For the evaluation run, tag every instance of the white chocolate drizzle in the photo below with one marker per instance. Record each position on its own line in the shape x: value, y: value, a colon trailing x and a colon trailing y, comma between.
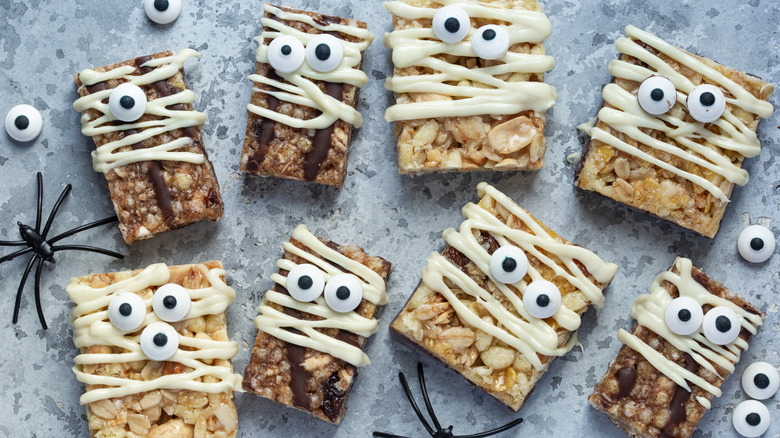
x: 515, y: 326
x: 299, y: 88
x: 106, y: 157
x: 331, y: 262
x: 649, y: 309
x: 488, y: 93
x: 694, y: 142
x: 91, y: 326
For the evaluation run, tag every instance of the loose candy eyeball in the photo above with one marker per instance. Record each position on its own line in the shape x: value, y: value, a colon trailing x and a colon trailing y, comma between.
x: 23, y: 123
x: 760, y: 380
x: 657, y: 95
x: 756, y: 243
x: 751, y: 418
x: 162, y: 11
x: 706, y: 103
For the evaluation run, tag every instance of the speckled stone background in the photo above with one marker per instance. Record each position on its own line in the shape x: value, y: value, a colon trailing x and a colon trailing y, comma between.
x: 43, y: 43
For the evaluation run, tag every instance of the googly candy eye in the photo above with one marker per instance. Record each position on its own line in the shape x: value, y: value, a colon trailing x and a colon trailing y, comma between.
x: 126, y: 311
x: 684, y: 316
x: 159, y: 341
x: 305, y: 283
x: 721, y: 325
x: 162, y: 11
x: 127, y: 102
x: 324, y: 53
x: 171, y: 302
x: 343, y: 293
x: 490, y: 42
x: 751, y: 418
x: 542, y: 299
x: 508, y: 264
x: 657, y: 95
x: 286, y: 54
x: 23, y: 123
x: 756, y: 243
x: 451, y: 24
x: 760, y: 380
x: 706, y: 103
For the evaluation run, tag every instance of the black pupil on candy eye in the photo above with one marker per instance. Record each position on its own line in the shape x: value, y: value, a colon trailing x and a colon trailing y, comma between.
x: 160, y: 339
x: 169, y: 302
x: 509, y: 264
x: 322, y: 52
x: 127, y: 102
x: 707, y: 99
x: 489, y: 35
x: 286, y: 50
x: 125, y: 309
x: 342, y: 293
x: 161, y: 5
x: 22, y: 122
x: 452, y: 25
x: 761, y: 381
x: 684, y: 315
x: 305, y: 282
x: 723, y: 324
x: 543, y: 300
x: 757, y: 244
x: 657, y: 94
x: 753, y: 419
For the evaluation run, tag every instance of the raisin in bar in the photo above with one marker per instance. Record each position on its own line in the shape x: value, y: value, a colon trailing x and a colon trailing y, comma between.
x: 155, y: 354
x: 151, y: 151
x: 503, y: 299
x: 673, y: 165
x: 313, y: 325
x: 306, y: 83
x: 689, y: 335
x: 473, y: 103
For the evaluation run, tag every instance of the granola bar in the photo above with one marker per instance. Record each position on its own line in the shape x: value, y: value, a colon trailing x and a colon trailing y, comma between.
x: 677, y: 163
x: 314, y: 324
x: 662, y: 381
x: 503, y: 299
x: 302, y: 111
x: 187, y: 390
x: 473, y: 103
x: 151, y: 153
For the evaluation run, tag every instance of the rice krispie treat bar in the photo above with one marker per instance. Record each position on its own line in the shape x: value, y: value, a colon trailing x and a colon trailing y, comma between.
x: 314, y: 324
x: 155, y: 354
x: 469, y: 84
x: 306, y: 85
x: 503, y: 299
x: 689, y: 333
x: 672, y: 133
x: 148, y: 144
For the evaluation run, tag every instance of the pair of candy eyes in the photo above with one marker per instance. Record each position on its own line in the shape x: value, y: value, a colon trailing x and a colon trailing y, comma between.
x: 324, y: 53
x: 541, y: 298
x: 657, y: 95
x: 451, y: 24
x: 720, y: 325
x: 343, y: 292
x: 759, y: 381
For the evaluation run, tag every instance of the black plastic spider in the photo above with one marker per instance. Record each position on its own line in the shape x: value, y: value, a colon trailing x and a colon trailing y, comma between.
x: 439, y: 432
x: 43, y: 250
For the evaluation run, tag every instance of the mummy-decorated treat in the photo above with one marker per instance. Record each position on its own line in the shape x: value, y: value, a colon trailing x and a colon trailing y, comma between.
x: 751, y: 418
x: 756, y: 243
x: 162, y: 11
x: 503, y: 299
x: 155, y: 354
x: 23, y: 123
x: 148, y: 144
x: 469, y: 84
x: 688, y: 337
x: 760, y: 380
x: 313, y: 325
x: 306, y: 83
x: 672, y: 133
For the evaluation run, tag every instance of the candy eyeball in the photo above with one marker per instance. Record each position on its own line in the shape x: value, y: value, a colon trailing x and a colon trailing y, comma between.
x: 324, y: 53
x: 451, y: 24
x: 127, y: 311
x: 542, y: 299
x: 159, y: 341
x: 23, y: 123
x: 171, y: 302
x: 751, y: 418
x: 721, y: 325
x: 508, y: 264
x: 305, y: 283
x: 343, y: 293
x: 756, y: 243
x: 490, y: 42
x: 706, y: 103
x: 760, y: 380
x: 657, y: 95
x: 162, y: 11
x: 684, y: 316
x: 286, y: 54
x: 127, y: 102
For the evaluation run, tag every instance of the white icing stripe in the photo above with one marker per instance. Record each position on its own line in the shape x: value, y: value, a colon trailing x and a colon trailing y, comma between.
x: 331, y: 263
x: 649, y: 310
x: 493, y: 95
x: 91, y: 327
x: 300, y: 89
x: 515, y: 326
x: 105, y: 157
x: 628, y: 117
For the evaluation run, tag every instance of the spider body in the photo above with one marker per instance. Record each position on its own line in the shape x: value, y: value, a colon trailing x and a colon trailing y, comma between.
x: 35, y: 241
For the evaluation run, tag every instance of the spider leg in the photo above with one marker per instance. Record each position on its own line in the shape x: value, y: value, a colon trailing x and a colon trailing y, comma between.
x: 39, y: 210
x: 34, y: 259
x: 14, y: 255
x: 12, y: 243
x: 87, y: 248
x: 497, y: 430
x: 38, y: 271
x: 107, y: 220
x: 421, y: 377
x: 387, y: 435
x: 408, y: 392
x: 54, y: 210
